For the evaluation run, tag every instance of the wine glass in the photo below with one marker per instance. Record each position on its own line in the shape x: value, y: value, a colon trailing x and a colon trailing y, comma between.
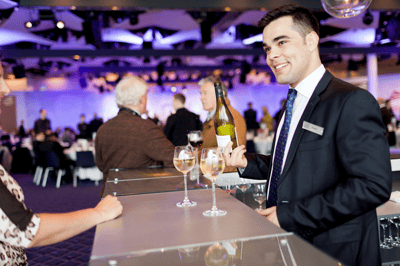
x: 195, y: 140
x: 259, y: 194
x: 212, y: 164
x: 384, y: 223
x: 396, y: 221
x: 184, y: 162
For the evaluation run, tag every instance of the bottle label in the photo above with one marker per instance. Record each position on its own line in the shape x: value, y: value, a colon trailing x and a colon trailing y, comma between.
x: 223, y: 141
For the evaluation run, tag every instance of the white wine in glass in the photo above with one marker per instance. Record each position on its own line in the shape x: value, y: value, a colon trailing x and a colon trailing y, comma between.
x: 260, y: 194
x: 184, y: 161
x: 212, y: 164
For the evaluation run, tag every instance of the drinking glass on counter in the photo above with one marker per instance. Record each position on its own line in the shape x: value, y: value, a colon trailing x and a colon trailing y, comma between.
x: 184, y: 161
x: 259, y: 194
x: 212, y: 164
x: 195, y: 140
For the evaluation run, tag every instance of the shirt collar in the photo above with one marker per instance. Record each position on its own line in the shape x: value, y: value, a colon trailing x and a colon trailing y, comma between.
x: 307, y: 86
x: 211, y: 114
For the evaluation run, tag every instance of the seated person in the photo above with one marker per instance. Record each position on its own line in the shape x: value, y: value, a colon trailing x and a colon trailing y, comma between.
x: 127, y: 140
x: 51, y: 144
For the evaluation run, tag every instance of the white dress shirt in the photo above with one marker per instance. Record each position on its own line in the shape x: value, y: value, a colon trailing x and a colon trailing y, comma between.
x: 304, y: 89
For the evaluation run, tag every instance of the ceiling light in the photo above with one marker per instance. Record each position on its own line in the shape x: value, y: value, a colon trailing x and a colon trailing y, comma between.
x: 60, y: 24
x: 31, y: 24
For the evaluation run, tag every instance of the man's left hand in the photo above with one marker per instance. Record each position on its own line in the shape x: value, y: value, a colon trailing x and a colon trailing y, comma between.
x: 270, y: 214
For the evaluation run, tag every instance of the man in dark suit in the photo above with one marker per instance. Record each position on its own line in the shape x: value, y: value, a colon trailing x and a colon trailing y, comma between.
x: 330, y: 167
x: 95, y: 123
x: 84, y: 129
x: 179, y: 124
x: 127, y: 140
x: 42, y: 124
x: 250, y: 115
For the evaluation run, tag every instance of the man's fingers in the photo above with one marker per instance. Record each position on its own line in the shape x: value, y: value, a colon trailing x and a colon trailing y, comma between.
x: 227, y: 150
x: 265, y: 212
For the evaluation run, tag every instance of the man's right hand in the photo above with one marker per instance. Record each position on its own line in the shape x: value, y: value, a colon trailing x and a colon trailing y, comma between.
x: 236, y: 158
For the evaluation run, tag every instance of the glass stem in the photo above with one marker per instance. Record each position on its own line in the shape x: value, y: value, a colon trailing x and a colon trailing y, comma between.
x: 214, y: 207
x: 185, y: 182
x: 260, y: 206
x: 384, y: 235
x: 196, y: 153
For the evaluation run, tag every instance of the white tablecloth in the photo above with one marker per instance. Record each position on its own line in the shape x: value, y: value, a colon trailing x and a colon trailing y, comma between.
x: 92, y: 173
x: 263, y: 145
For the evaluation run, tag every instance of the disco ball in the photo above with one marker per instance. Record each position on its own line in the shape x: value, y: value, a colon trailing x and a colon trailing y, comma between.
x: 345, y: 8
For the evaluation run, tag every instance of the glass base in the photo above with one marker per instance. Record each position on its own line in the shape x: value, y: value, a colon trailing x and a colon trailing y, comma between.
x: 211, y: 213
x: 186, y: 203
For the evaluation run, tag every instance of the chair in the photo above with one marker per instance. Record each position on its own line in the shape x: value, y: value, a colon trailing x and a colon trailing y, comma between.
x: 40, y: 162
x: 52, y: 164
x: 84, y: 159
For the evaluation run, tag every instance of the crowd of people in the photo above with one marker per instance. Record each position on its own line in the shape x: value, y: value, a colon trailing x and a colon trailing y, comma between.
x: 329, y: 168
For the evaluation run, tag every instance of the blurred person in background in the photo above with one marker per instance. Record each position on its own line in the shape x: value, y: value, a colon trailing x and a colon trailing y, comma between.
x: 84, y: 129
x: 42, y: 124
x: 389, y: 120
x: 250, y: 115
x: 128, y: 140
x: 209, y: 101
x: 21, y: 228
x: 182, y: 122
x: 95, y: 123
x: 267, y: 119
x: 51, y: 143
x: 21, y: 130
x: 68, y: 136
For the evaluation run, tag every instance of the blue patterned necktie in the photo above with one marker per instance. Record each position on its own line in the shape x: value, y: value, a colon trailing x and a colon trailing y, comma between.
x: 280, y: 150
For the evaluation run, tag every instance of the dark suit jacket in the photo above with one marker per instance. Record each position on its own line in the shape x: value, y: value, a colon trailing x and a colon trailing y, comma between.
x: 250, y: 116
x: 331, y: 184
x: 179, y: 124
x: 42, y: 125
x: 128, y: 141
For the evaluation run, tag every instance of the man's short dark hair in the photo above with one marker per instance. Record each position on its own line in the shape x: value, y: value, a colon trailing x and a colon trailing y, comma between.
x: 180, y: 97
x: 304, y: 21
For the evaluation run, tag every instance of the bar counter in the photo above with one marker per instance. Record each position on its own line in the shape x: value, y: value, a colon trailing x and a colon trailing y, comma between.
x: 154, y: 231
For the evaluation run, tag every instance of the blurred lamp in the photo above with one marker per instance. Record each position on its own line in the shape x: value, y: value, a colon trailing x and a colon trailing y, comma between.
x: 345, y: 8
x: 60, y: 24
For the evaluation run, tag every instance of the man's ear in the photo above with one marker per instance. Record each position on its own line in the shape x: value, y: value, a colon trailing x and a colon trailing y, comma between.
x: 312, y: 40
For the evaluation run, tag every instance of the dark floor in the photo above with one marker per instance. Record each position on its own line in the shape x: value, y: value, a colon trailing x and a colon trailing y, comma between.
x: 77, y: 250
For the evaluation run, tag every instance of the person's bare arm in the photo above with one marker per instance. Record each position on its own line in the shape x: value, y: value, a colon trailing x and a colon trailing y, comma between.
x: 54, y: 228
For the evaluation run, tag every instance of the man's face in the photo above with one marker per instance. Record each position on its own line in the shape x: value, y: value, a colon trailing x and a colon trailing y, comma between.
x: 43, y: 114
x: 82, y: 118
x: 287, y: 52
x: 207, y: 97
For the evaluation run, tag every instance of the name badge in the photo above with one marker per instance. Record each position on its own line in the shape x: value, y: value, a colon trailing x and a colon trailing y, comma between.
x: 313, y: 128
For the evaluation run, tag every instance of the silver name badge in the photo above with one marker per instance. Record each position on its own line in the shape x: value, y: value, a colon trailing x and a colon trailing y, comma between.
x: 313, y: 128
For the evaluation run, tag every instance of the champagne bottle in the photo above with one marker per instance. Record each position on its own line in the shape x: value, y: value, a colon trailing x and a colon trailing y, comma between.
x: 223, y: 120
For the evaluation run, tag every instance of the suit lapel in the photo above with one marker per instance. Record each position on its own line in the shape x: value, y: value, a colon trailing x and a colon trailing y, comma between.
x: 323, y: 83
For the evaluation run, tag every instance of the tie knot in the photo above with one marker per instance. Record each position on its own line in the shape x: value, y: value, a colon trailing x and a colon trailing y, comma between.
x: 291, y: 93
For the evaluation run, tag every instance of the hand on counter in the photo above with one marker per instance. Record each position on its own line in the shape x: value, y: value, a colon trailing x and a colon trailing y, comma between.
x: 270, y: 214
